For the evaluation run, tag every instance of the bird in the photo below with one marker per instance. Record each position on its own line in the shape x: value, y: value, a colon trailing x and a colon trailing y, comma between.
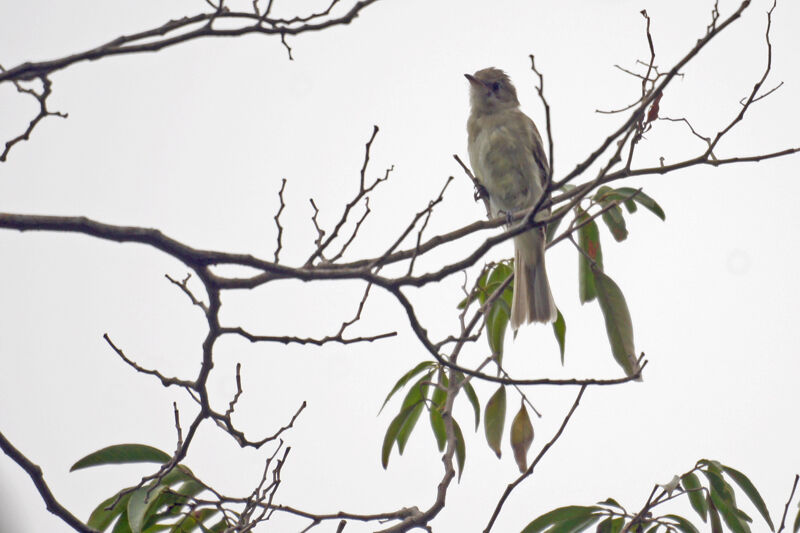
x: 508, y: 159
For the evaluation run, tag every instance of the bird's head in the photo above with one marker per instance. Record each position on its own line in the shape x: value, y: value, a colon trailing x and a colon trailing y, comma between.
x: 491, y: 90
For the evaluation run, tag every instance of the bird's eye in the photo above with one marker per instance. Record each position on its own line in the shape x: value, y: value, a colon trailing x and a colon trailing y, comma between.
x: 496, y: 86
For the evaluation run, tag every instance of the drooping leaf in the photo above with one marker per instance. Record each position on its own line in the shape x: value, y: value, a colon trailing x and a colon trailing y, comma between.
x: 439, y: 430
x: 461, y: 448
x: 713, y: 516
x: 744, y: 516
x: 496, y: 325
x: 750, y: 490
x: 630, y: 205
x: 618, y: 322
x: 121, y: 454
x: 122, y: 525
x: 644, y: 200
x: 438, y: 399
x: 724, y: 502
x: 718, y: 483
x: 100, y: 518
x: 589, y: 241
x: 560, y: 515
x: 604, y: 526
x: 494, y: 418
x: 653, y: 529
x: 693, y: 488
x: 521, y: 437
x: 498, y: 275
x: 796, y: 526
x: 560, y: 331
x: 405, y: 378
x: 472, y: 396
x: 615, y: 222
x: 681, y: 524
x: 142, y: 504
x: 415, y: 399
x: 616, y: 525
x: 391, y: 434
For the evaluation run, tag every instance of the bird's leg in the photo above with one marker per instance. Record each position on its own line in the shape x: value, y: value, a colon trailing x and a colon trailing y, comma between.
x: 508, y: 214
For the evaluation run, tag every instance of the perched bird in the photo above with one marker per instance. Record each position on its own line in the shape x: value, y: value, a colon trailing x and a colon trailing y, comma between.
x: 508, y: 159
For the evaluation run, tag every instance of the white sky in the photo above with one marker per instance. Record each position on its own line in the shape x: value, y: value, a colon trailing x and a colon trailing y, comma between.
x: 195, y: 140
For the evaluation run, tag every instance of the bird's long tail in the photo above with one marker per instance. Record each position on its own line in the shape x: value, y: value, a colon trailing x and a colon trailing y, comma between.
x: 533, y: 301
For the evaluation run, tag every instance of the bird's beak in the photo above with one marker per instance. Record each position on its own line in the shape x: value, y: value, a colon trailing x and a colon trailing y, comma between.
x: 473, y: 80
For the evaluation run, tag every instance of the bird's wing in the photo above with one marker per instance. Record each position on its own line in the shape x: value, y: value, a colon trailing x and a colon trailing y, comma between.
x: 537, y: 147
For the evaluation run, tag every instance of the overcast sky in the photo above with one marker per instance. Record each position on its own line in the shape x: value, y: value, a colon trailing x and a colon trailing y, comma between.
x: 195, y: 140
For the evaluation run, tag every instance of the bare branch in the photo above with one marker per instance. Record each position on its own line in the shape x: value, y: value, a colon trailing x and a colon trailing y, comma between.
x: 34, y: 471
x: 277, y: 219
x: 41, y: 98
x: 169, y: 34
x: 163, y: 379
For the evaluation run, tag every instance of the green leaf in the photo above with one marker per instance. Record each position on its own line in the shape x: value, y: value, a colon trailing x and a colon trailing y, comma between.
x: 723, y: 498
x: 191, y: 488
x: 141, y: 505
x: 391, y: 434
x: 644, y: 200
x: 100, y: 519
x: 496, y: 325
x: 405, y: 379
x: 615, y: 222
x: 439, y: 429
x: 560, y: 331
x: 617, y: 525
x: 193, y: 520
x: 437, y: 403
x: 499, y: 274
x: 796, y: 526
x: 681, y: 524
x: 415, y: 399
x: 122, y: 453
x: 713, y: 517
x: 575, y: 525
x: 473, y: 399
x: 719, y: 485
x: 220, y: 526
x: 122, y: 525
x: 691, y: 484
x: 461, y: 448
x: 494, y: 418
x: 618, y: 322
x: 604, y: 526
x: 158, y: 527
x: 653, y: 529
x: 178, y: 474
x: 560, y: 515
x: 611, y: 502
x: 521, y: 437
x: 630, y: 205
x: 589, y: 241
x: 750, y: 490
